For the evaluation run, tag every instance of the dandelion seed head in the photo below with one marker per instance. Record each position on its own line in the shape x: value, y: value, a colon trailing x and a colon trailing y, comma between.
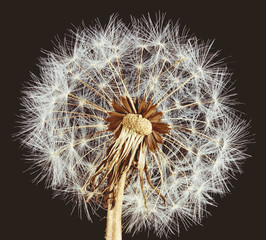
x: 144, y: 99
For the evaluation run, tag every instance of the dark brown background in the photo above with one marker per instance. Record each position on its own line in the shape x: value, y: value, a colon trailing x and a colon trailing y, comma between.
x: 29, y: 212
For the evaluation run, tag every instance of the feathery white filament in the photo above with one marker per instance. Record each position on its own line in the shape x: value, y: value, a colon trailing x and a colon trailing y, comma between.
x: 65, y: 110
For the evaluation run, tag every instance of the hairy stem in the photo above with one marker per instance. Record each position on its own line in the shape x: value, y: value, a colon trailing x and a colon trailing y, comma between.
x: 114, y: 223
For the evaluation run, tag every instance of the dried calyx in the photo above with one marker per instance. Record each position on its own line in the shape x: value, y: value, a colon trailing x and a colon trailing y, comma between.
x: 122, y: 116
x: 137, y: 128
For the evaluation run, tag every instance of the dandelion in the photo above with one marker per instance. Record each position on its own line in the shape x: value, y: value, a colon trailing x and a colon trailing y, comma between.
x: 137, y: 120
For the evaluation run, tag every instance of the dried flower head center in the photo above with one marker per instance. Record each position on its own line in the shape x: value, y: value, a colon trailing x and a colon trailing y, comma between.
x: 138, y: 124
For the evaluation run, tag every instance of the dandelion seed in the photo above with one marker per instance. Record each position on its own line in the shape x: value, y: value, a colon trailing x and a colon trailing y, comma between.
x: 140, y: 124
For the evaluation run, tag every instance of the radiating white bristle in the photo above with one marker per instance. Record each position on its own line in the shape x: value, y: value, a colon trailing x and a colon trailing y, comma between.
x: 67, y: 105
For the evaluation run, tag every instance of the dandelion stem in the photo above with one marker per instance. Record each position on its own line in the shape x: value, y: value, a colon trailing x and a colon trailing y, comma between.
x: 114, y: 224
